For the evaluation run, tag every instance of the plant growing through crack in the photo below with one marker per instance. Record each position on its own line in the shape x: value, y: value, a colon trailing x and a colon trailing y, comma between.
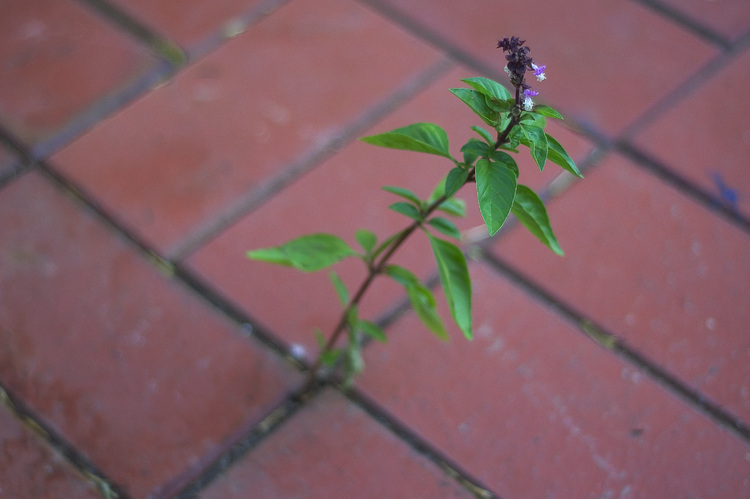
x: 514, y: 121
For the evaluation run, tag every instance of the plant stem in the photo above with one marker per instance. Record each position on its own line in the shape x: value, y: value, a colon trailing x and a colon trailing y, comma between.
x: 377, y: 267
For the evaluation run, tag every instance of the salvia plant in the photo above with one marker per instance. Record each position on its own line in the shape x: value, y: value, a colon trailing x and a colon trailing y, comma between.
x: 513, y: 121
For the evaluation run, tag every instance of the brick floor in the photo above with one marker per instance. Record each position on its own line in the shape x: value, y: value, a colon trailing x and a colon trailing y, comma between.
x: 148, y: 353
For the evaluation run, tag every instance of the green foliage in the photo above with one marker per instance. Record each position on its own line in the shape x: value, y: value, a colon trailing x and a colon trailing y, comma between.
x: 486, y: 163
x: 307, y: 253
x: 420, y: 137
x: 454, y: 274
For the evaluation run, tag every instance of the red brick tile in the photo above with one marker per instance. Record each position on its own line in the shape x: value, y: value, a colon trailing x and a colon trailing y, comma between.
x: 58, y: 60
x: 192, y: 149
x: 341, y: 196
x: 333, y: 449
x: 29, y: 468
x: 657, y: 270
x: 187, y: 22
x: 717, y: 140
x: 729, y: 17
x: 594, y: 51
x: 532, y: 408
x: 129, y: 367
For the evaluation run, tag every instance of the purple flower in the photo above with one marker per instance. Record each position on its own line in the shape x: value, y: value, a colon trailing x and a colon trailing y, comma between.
x: 528, y: 103
x: 539, y: 72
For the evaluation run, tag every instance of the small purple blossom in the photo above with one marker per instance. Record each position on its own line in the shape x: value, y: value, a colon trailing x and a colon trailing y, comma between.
x: 539, y: 72
x: 528, y: 103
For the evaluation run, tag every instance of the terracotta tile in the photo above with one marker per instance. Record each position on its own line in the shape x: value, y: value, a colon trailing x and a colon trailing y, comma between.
x: 340, y: 196
x: 29, y: 468
x: 187, y: 22
x: 711, y: 150
x: 333, y: 449
x: 125, y: 364
x: 533, y: 408
x: 191, y: 150
x: 729, y: 17
x: 58, y: 60
x: 657, y: 270
x: 594, y: 50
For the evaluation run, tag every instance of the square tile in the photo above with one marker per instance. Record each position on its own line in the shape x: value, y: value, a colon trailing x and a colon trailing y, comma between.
x: 706, y: 137
x: 657, y: 270
x: 127, y: 365
x: 30, y: 468
x: 533, y: 408
x: 58, y: 61
x: 190, y: 151
x: 331, y: 448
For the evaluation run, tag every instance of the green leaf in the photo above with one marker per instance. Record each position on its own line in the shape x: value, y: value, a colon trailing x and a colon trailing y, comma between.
x: 548, y: 111
x: 557, y: 155
x: 341, y: 290
x: 496, y: 188
x: 453, y: 206
x: 316, y: 251
x: 487, y: 136
x: 454, y: 274
x: 330, y: 357
x: 421, y: 298
x: 488, y: 87
x: 536, y: 140
x: 404, y: 193
x: 455, y: 180
x: 406, y: 209
x: 502, y: 106
x: 271, y: 255
x: 474, y: 149
x: 419, y: 137
x: 372, y: 330
x: 445, y: 226
x: 530, y: 211
x: 367, y: 239
x: 476, y: 101
x: 423, y: 303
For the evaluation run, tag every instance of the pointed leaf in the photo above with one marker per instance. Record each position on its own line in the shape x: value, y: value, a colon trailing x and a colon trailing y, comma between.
x: 487, y: 136
x: 455, y: 180
x: 420, y: 137
x: 367, y: 239
x: 476, y: 101
x: 454, y: 274
x: 474, y: 149
x: 557, y: 155
x: 453, y: 206
x: 341, y: 290
x: 530, y: 211
x: 423, y: 303
x: 496, y: 188
x: 445, y: 226
x: 536, y: 140
x: 406, y: 209
x: 548, y: 111
x: 372, y: 330
x: 315, y: 251
x: 404, y: 193
x: 270, y: 255
x: 488, y: 87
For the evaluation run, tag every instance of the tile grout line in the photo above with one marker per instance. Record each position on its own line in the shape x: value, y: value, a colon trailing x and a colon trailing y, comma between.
x: 683, y: 186
x: 308, y: 160
x: 418, y: 444
x: 107, y: 487
x: 619, y: 347
x: 685, y: 21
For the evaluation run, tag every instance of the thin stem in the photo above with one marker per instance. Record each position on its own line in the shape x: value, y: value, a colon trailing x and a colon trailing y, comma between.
x: 375, y: 268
